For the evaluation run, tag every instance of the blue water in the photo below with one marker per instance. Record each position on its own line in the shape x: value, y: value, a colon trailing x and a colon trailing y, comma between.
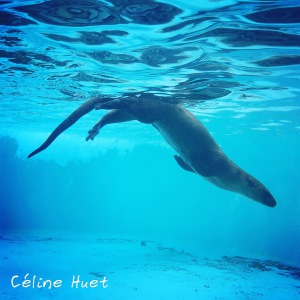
x: 233, y: 64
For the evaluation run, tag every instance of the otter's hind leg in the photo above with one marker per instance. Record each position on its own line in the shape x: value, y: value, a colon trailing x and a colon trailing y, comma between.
x: 113, y: 116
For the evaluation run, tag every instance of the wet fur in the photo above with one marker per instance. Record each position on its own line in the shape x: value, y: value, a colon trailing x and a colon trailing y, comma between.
x: 198, y: 151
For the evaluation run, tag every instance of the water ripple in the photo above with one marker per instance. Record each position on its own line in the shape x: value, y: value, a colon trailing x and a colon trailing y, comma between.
x: 281, y: 15
x: 221, y: 51
x: 91, y: 12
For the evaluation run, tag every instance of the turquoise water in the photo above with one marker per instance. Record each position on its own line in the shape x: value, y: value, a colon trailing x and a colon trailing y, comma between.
x: 233, y: 64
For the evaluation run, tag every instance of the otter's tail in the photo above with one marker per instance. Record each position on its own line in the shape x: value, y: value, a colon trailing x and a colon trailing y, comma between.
x: 69, y: 121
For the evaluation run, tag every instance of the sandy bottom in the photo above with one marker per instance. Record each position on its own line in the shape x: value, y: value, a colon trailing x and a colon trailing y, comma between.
x: 131, y: 269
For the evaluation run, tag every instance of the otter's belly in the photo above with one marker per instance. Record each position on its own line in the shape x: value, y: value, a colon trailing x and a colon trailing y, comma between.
x: 177, y: 140
x: 194, y: 146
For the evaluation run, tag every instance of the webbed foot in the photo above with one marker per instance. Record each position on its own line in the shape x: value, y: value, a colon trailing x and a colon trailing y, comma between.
x: 94, y: 131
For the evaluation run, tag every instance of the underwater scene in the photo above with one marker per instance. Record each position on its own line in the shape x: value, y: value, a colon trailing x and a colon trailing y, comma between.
x: 149, y: 149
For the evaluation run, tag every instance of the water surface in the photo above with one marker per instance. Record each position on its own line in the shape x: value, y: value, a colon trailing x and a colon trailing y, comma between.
x: 234, y: 64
